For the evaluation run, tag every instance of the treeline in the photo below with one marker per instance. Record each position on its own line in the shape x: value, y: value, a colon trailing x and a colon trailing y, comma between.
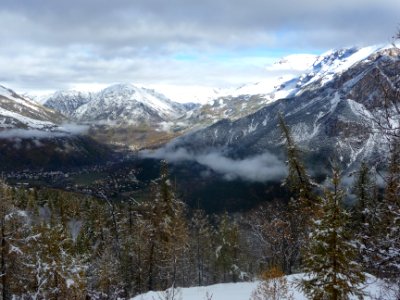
x: 58, y: 245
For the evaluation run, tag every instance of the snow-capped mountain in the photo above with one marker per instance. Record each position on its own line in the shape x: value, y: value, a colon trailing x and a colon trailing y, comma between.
x: 67, y: 102
x: 18, y: 112
x: 126, y: 103
x: 330, y: 110
x: 119, y: 104
x: 295, y: 74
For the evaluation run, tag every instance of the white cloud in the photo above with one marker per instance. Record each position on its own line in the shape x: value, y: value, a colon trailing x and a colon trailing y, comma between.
x: 257, y: 168
x: 62, y: 131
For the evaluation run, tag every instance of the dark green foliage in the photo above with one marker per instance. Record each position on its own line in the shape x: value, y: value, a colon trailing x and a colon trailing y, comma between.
x: 385, y: 247
x: 330, y: 256
x: 297, y: 181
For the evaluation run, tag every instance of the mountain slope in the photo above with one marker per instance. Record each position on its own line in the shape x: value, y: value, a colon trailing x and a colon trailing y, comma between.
x: 330, y: 115
x: 35, y: 137
x: 123, y: 114
x: 117, y: 104
x: 300, y: 71
x: 67, y: 102
x: 18, y: 112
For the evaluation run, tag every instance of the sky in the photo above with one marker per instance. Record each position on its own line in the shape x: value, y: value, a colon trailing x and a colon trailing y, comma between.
x: 181, y: 47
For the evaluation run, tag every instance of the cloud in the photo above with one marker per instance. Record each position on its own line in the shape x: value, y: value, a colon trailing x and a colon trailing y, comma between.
x: 74, y: 129
x: 57, y: 44
x: 258, y: 168
x: 62, y: 131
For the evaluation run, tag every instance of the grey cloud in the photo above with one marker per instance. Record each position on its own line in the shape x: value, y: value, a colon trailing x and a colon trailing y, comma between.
x: 50, y: 44
x: 149, y: 23
x: 258, y: 168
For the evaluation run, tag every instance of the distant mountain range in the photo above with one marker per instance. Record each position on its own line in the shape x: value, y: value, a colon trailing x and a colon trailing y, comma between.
x: 327, y: 100
x: 116, y: 105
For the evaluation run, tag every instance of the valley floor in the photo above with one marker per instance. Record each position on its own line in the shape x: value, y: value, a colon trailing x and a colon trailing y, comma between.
x: 374, y: 288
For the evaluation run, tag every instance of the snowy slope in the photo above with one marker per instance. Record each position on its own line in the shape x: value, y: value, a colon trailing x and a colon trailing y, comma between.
x: 242, y: 291
x: 287, y: 69
x: 18, y: 112
x: 67, y: 102
x: 117, y: 104
x: 296, y: 74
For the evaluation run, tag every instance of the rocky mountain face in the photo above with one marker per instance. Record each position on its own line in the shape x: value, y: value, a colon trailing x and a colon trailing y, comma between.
x: 120, y: 104
x: 299, y: 72
x: 330, y: 110
x: 67, y: 102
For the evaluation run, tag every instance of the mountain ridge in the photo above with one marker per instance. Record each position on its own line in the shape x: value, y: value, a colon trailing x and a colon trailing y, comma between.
x: 330, y: 116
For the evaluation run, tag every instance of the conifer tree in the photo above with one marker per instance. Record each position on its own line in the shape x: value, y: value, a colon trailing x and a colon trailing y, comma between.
x: 14, y: 236
x: 303, y: 205
x: 58, y: 273
x: 201, y: 246
x: 167, y: 234
x: 387, y: 245
x: 365, y: 191
x: 330, y: 256
x: 365, y: 216
x: 298, y: 181
x: 228, y: 248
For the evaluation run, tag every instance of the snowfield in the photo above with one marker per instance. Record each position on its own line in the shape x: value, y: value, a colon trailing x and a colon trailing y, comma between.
x: 374, y: 289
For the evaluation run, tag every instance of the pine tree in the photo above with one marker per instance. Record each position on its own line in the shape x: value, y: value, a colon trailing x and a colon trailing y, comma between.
x: 303, y: 205
x: 58, y: 273
x: 329, y: 258
x: 163, y: 214
x: 228, y: 248
x: 14, y: 237
x: 298, y: 181
x: 387, y: 245
x: 365, y: 216
x: 201, y: 247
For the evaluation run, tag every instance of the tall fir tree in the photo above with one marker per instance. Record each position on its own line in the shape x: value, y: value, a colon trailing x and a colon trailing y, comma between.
x: 228, y: 248
x: 332, y: 271
x: 201, y: 247
x: 297, y: 181
x: 365, y: 216
x: 167, y: 231
x: 303, y: 205
x: 387, y: 247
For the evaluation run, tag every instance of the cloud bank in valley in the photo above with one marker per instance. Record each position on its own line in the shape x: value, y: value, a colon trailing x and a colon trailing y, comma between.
x: 259, y: 168
x: 67, y: 129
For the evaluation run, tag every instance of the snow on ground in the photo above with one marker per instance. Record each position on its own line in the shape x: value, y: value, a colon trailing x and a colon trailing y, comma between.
x: 374, y: 289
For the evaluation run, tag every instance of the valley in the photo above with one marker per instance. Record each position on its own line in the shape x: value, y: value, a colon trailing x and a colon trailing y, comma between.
x: 126, y: 184
x: 230, y: 151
